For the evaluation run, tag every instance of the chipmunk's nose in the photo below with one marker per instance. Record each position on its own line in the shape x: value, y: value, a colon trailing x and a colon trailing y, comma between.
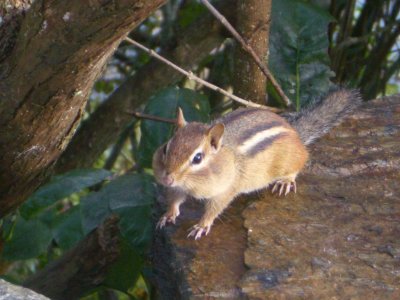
x: 168, y: 180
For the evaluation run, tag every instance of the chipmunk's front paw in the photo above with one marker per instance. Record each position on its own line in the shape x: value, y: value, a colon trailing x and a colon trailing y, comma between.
x: 197, y: 231
x: 283, y: 187
x: 165, y: 219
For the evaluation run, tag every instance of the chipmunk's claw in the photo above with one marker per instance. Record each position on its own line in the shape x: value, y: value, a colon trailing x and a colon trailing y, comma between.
x: 197, y: 231
x: 165, y: 220
x: 283, y: 187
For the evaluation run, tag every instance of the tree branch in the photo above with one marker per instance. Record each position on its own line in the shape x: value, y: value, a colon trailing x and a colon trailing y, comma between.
x: 117, y: 148
x: 192, y: 76
x: 150, y: 117
x: 110, y: 118
x: 369, y: 85
x: 44, y: 91
x: 253, y: 24
x: 249, y: 49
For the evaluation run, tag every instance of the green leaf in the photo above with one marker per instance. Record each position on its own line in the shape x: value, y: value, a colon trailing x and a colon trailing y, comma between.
x: 134, y: 209
x: 130, y: 197
x: 60, y: 187
x: 299, y: 49
x: 324, y: 4
x: 124, y: 273
x: 94, y: 210
x: 136, y: 225
x: 131, y: 190
x: 194, y: 105
x: 67, y: 228
x: 29, y: 239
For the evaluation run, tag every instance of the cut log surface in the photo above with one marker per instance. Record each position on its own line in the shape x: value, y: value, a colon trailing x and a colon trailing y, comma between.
x: 337, y: 238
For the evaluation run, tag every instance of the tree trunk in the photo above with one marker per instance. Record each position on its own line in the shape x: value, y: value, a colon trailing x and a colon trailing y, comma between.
x: 49, y: 60
x: 109, y: 120
x: 253, y: 23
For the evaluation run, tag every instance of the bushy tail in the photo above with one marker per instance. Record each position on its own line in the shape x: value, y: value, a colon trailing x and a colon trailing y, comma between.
x: 317, y: 120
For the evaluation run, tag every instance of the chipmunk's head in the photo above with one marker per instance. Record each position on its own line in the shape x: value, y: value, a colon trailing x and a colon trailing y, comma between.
x: 185, y: 160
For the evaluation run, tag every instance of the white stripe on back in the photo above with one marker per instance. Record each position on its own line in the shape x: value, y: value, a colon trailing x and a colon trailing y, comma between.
x: 259, y: 137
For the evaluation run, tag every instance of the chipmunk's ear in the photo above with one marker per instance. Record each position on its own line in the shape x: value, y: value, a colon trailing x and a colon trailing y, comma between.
x: 215, y: 133
x: 180, y: 120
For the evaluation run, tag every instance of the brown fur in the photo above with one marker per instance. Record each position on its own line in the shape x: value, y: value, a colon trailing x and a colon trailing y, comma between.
x: 225, y: 172
x: 244, y: 151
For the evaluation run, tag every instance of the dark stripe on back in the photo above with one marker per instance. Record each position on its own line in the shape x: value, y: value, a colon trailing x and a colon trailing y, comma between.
x: 264, y: 144
x: 249, y: 133
x: 238, y: 114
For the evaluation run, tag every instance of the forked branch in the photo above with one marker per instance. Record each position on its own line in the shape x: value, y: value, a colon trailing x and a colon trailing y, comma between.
x: 249, y: 50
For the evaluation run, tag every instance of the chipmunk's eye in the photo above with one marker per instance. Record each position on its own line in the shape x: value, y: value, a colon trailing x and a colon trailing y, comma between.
x: 197, y: 158
x: 164, y: 149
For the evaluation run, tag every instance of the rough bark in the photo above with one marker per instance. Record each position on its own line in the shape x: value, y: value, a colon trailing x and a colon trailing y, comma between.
x: 253, y: 23
x: 109, y: 120
x: 336, y: 238
x: 81, y: 269
x: 53, y: 55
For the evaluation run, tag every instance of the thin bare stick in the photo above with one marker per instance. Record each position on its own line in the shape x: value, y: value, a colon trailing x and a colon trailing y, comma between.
x: 191, y: 76
x: 151, y: 117
x: 249, y: 50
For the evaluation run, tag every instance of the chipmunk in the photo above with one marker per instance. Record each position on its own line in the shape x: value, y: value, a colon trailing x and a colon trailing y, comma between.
x: 246, y: 150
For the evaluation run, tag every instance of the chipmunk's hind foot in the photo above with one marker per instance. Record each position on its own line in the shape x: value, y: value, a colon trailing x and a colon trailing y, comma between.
x: 197, y: 231
x: 284, y: 186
